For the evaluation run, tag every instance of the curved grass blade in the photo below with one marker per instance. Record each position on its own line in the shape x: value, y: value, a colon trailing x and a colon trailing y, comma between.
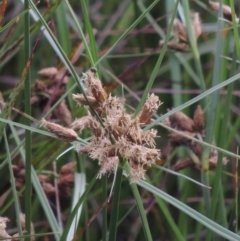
x: 89, y: 29
x: 75, y: 210
x: 218, y: 229
x: 127, y: 31
x: 28, y: 134
x: 40, y: 193
x: 79, y: 188
x: 158, y: 64
x: 13, y: 185
x: 10, y: 23
x: 115, y: 205
x: 194, y: 100
x: 142, y: 213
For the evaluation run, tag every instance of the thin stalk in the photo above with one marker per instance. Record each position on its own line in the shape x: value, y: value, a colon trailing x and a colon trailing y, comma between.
x: 158, y: 64
x: 142, y: 213
x: 115, y: 205
x: 193, y: 43
x: 28, y: 134
x: 217, y: 186
x: 104, y: 211
x: 12, y: 180
x: 211, y: 114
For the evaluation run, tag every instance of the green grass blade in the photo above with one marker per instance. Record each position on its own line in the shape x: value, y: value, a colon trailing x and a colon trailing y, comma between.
x: 211, y: 113
x: 89, y: 53
x: 89, y: 29
x: 80, y: 183
x: 115, y: 205
x: 142, y: 213
x: 63, y: 30
x: 139, y: 19
x: 13, y: 186
x: 175, y: 231
x: 75, y: 210
x: 217, y: 186
x: 40, y: 193
x: 10, y: 23
x: 104, y: 211
x: 194, y: 100
x: 235, y: 28
x: 158, y: 64
x: 193, y: 42
x: 218, y: 229
x: 28, y: 134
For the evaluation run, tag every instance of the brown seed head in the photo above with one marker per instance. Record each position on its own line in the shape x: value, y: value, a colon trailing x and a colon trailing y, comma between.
x: 62, y: 113
x: 149, y: 108
x: 180, y: 30
x: 3, y: 234
x: 180, y: 121
x: 196, y: 25
x: 87, y: 122
x: 227, y: 11
x: 198, y: 119
x: 182, y: 47
x: 94, y: 87
x: 63, y: 133
x: 67, y: 168
x: 177, y: 140
x: 48, y: 72
x: 80, y: 99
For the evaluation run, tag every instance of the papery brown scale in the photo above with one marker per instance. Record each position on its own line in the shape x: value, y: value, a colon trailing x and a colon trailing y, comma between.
x: 177, y: 140
x: 48, y: 188
x: 181, y: 47
x: 50, y: 72
x: 3, y: 234
x: 67, y: 168
x: 196, y: 148
x: 198, y: 119
x: 96, y: 88
x: 80, y: 99
x: 180, y: 30
x: 87, y: 122
x: 43, y: 178
x: 61, y: 112
x: 145, y: 115
x: 66, y: 180
x: 180, y: 121
x: 196, y: 25
x: 149, y: 108
x: 182, y: 164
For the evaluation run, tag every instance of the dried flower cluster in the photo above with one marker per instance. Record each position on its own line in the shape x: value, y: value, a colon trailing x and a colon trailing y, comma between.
x: 227, y: 12
x: 119, y: 134
x: 193, y: 128
x: 6, y: 237
x: 181, y: 41
x: 48, y: 90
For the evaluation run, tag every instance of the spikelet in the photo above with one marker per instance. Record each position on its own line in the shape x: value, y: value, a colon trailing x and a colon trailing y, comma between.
x: 63, y: 133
